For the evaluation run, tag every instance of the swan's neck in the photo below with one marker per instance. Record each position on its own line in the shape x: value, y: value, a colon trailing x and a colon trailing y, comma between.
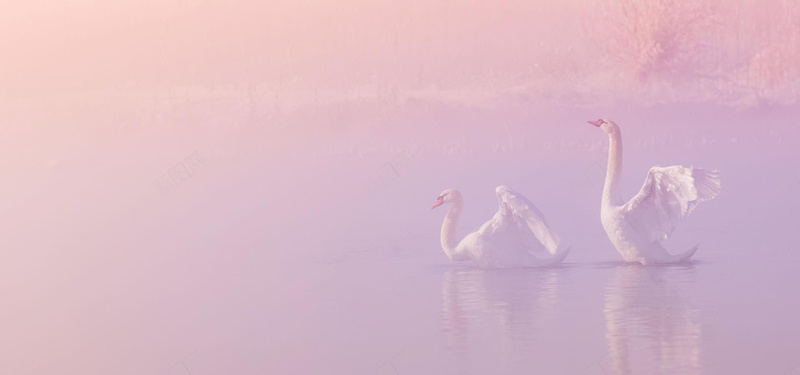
x: 449, y: 241
x: 612, y: 194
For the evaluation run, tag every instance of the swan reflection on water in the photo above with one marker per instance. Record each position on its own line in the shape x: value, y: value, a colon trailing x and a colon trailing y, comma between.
x: 510, y: 306
x: 653, y: 321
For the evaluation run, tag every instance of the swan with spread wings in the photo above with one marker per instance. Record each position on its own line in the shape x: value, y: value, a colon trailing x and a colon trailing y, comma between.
x: 636, y: 228
x: 517, y: 236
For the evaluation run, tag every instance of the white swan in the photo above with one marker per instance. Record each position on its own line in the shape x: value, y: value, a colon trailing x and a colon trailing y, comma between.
x: 637, y: 228
x: 514, y: 237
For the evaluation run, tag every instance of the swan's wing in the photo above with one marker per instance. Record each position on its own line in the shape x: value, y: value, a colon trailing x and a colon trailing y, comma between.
x: 668, y: 194
x: 523, y: 213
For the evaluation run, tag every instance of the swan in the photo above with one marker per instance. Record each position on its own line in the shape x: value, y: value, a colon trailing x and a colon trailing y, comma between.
x: 637, y: 228
x: 515, y: 237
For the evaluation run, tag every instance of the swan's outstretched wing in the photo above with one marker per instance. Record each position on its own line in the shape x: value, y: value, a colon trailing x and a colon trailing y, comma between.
x: 668, y: 194
x: 534, y: 228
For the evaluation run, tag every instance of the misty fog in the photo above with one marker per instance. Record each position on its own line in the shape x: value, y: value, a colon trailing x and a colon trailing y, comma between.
x: 235, y: 187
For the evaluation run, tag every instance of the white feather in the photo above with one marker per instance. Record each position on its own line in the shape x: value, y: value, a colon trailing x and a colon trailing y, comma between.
x: 669, y: 194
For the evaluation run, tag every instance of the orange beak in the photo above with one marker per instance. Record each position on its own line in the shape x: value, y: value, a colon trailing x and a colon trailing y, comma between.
x: 596, y: 123
x: 439, y: 202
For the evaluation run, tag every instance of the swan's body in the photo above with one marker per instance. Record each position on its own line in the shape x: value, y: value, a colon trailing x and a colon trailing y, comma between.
x: 636, y: 228
x: 517, y: 236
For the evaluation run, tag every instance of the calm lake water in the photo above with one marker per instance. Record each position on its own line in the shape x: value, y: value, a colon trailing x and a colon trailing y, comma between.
x: 326, y: 259
x: 408, y: 311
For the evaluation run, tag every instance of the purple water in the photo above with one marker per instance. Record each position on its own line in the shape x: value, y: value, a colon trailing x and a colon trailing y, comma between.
x: 317, y: 257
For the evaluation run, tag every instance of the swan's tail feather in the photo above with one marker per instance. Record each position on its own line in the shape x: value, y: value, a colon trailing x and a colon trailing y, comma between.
x: 558, y: 257
x: 685, y: 256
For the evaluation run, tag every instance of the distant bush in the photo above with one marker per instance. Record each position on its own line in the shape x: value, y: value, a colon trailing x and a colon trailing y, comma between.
x: 657, y: 38
x: 773, y: 72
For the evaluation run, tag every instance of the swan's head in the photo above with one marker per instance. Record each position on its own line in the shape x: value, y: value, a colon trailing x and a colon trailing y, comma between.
x: 607, y: 125
x: 447, y: 196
